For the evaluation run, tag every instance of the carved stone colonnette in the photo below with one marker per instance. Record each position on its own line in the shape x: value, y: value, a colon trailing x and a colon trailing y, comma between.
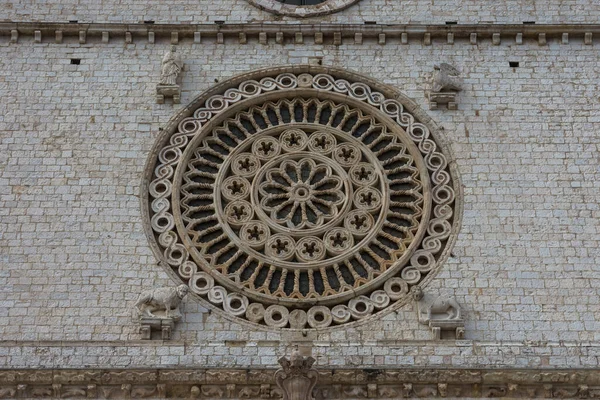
x: 332, y: 384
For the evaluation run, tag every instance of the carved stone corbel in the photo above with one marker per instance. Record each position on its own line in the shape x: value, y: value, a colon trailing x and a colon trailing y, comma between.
x: 441, y: 313
x: 296, y: 378
x: 445, y: 84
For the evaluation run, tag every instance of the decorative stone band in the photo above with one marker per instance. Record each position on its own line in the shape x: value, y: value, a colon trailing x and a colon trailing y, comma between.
x: 323, y: 33
x: 332, y: 383
x: 197, y: 235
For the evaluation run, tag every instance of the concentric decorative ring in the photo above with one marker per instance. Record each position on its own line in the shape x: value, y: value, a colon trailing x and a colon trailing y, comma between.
x: 301, y: 202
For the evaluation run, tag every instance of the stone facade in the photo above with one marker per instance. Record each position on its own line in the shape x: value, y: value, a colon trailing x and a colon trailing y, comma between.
x: 79, y: 118
x: 202, y: 11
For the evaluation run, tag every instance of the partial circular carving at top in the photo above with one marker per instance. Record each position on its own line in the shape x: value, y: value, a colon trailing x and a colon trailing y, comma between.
x: 302, y: 11
x: 301, y: 198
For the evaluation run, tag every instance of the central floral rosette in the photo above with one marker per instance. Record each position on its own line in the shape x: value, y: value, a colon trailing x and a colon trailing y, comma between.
x: 288, y: 195
x: 301, y: 194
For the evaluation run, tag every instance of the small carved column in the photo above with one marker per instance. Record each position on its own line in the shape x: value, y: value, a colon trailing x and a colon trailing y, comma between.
x: 296, y: 378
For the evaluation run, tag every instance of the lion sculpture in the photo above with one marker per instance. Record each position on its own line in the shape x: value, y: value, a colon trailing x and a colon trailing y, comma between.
x: 443, y: 307
x: 165, y: 299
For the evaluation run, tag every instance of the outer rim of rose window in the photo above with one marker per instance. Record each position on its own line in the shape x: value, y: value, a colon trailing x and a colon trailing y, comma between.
x: 300, y: 11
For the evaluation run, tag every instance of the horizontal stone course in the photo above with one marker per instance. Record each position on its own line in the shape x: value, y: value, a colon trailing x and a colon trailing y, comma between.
x: 374, y: 354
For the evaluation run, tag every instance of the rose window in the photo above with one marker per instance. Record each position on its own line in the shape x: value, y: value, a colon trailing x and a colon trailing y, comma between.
x: 301, y: 201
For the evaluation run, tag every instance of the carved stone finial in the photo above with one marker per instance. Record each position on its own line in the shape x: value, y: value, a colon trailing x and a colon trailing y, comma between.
x: 158, y: 309
x: 445, y: 83
x: 171, y: 67
x: 296, y: 377
x: 439, y: 313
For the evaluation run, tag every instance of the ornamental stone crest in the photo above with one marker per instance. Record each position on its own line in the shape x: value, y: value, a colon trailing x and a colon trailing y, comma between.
x: 301, y: 197
x: 297, y: 377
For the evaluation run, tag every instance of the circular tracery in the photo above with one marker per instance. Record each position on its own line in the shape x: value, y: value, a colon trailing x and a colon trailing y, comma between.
x: 301, y: 209
x: 313, y: 199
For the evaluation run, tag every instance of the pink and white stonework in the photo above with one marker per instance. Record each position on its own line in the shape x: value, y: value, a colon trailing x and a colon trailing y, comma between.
x: 308, y: 183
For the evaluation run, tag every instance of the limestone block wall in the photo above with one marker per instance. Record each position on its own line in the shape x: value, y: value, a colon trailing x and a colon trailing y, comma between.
x: 74, y: 139
x: 382, y: 11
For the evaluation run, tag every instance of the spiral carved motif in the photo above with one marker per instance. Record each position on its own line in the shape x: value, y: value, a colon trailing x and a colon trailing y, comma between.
x: 301, y: 210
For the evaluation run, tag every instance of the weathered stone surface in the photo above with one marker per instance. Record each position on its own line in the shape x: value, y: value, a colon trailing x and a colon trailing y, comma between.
x: 192, y: 11
x: 78, y: 119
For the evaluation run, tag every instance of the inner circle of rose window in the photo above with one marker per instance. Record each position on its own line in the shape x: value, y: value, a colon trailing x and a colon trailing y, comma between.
x: 302, y: 199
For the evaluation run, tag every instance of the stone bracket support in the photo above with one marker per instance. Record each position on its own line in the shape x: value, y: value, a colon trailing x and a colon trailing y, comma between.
x: 165, y: 91
x: 436, y: 99
x: 457, y: 326
x: 164, y: 326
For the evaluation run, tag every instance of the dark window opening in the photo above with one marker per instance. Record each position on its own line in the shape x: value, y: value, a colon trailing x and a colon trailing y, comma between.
x: 451, y: 22
x: 528, y: 22
x: 149, y: 22
x: 513, y: 64
x: 75, y: 61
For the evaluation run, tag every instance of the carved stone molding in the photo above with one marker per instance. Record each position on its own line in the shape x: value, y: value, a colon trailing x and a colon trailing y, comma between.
x: 333, y: 384
x: 301, y: 197
x: 330, y: 33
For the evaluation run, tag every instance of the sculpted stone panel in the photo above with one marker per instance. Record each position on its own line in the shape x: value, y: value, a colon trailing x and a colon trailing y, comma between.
x: 300, y: 199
